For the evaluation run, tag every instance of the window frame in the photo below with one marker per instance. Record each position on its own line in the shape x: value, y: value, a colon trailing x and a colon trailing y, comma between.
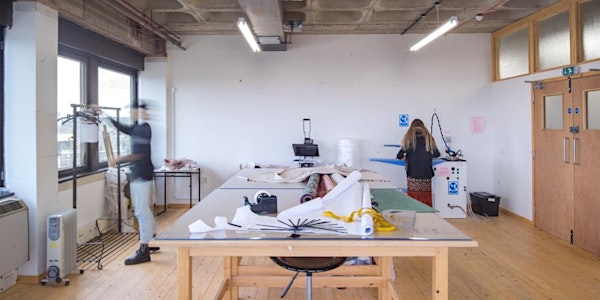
x: 90, y: 94
x: 573, y: 7
x: 2, y: 34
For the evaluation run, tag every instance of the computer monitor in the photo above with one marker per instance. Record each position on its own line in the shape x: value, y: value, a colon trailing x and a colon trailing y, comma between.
x: 305, y: 150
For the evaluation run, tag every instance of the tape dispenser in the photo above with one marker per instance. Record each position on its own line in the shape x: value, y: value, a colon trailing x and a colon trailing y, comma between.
x: 264, y: 203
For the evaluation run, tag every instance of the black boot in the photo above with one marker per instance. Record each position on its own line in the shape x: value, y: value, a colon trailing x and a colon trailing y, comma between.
x: 141, y: 255
x: 153, y: 249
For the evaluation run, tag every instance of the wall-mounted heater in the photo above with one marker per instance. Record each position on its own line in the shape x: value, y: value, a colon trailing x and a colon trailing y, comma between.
x: 61, y: 245
x: 14, y: 228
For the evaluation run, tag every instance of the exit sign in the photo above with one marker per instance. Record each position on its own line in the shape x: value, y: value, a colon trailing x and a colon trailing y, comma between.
x: 570, y: 71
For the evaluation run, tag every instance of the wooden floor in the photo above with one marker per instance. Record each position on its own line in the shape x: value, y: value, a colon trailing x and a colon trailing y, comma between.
x: 513, y: 261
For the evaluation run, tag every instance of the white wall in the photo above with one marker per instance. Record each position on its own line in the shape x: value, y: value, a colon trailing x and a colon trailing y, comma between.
x: 235, y: 106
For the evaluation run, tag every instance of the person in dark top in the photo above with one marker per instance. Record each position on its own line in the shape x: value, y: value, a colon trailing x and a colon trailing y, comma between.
x: 418, y: 149
x: 141, y: 179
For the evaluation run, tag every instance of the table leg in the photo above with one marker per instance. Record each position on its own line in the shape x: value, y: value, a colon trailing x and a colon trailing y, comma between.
x: 199, y: 186
x: 440, y: 274
x: 184, y: 274
x: 230, y: 269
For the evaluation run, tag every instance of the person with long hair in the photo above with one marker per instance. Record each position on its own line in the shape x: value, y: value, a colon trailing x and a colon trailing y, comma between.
x: 418, y: 149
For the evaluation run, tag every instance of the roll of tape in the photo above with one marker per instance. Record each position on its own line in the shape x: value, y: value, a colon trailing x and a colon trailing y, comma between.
x: 260, y: 193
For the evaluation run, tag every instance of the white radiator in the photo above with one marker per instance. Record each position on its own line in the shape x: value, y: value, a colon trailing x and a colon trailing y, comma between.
x: 61, y: 246
x: 14, y: 230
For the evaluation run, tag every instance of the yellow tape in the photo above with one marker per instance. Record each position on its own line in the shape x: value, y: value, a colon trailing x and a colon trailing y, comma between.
x: 378, y: 221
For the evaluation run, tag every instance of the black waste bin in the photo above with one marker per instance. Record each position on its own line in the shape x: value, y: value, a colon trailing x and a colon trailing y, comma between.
x: 485, y: 204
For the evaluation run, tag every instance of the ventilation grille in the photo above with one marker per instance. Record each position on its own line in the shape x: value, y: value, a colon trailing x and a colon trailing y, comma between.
x: 11, y: 206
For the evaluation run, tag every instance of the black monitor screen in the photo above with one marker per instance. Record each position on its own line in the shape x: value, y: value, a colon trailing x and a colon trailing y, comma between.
x: 306, y: 149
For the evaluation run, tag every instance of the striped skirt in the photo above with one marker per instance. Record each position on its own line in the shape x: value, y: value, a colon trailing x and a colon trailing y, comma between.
x: 420, y: 189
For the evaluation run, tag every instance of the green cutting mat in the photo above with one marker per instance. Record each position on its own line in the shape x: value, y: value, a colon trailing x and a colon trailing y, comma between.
x: 394, y: 199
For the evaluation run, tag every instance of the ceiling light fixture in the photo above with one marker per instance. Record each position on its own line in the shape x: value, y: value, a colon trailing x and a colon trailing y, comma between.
x: 449, y: 24
x: 248, y: 35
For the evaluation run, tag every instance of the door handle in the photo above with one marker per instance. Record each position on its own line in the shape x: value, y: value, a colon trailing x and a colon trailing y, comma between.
x: 565, y: 158
x: 575, y: 142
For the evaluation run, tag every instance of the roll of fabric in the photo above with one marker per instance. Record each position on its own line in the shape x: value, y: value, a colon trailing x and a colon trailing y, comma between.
x: 321, y: 191
x: 310, y: 190
x: 325, y: 185
x: 336, y: 178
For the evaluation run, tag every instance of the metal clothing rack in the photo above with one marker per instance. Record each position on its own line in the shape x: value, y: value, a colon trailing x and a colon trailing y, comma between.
x: 98, y: 241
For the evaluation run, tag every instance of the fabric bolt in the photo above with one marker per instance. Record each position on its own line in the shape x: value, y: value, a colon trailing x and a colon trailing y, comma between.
x: 327, y: 182
x: 336, y: 177
x: 311, y: 188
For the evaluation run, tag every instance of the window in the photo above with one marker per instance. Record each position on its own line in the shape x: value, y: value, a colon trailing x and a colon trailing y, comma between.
x: 115, y: 89
x: 84, y: 78
x: 590, y: 28
x: 562, y: 34
x: 513, y: 55
x: 554, y: 42
x: 70, y: 81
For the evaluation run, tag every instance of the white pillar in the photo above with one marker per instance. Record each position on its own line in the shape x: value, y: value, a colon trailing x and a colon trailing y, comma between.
x: 30, y: 120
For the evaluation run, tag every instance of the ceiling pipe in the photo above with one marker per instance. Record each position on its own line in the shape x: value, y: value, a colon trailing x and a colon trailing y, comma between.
x: 141, y: 18
x: 423, y: 15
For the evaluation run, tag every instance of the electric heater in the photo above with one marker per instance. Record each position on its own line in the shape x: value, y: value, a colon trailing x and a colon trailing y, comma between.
x: 61, y: 246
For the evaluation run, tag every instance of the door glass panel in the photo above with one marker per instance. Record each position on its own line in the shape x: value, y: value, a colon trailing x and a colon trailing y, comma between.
x: 554, y: 42
x: 593, y: 109
x: 553, y: 112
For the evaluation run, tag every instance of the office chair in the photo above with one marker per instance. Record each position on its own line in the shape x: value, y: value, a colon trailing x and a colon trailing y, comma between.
x: 308, y: 265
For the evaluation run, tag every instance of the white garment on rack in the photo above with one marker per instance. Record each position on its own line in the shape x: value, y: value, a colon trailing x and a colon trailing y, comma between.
x: 87, y: 131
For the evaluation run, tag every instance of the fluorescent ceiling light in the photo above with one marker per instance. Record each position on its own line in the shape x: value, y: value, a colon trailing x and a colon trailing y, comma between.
x: 245, y: 29
x: 449, y: 24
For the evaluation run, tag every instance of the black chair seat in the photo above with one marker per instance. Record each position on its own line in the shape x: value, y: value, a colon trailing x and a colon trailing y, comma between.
x: 308, y: 265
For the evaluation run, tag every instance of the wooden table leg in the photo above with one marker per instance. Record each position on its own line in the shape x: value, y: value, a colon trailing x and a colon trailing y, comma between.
x: 230, y: 269
x: 386, y: 290
x: 440, y: 274
x: 184, y: 274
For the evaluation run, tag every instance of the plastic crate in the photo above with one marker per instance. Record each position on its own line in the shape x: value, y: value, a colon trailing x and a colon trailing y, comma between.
x: 485, y: 204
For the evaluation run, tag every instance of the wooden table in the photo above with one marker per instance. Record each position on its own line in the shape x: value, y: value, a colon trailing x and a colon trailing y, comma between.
x: 432, y: 237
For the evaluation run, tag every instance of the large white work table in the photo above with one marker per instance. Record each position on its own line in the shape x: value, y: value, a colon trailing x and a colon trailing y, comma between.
x: 431, y: 237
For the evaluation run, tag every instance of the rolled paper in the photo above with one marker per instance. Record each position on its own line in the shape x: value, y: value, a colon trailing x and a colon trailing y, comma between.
x: 366, y: 219
x: 310, y: 190
x: 336, y: 178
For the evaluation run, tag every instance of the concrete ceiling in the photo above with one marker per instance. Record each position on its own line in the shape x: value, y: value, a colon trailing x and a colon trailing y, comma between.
x: 274, y: 17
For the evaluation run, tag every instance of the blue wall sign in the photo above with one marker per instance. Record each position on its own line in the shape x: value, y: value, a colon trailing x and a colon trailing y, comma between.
x: 403, y: 120
x: 569, y: 110
x: 576, y: 110
x: 452, y: 187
